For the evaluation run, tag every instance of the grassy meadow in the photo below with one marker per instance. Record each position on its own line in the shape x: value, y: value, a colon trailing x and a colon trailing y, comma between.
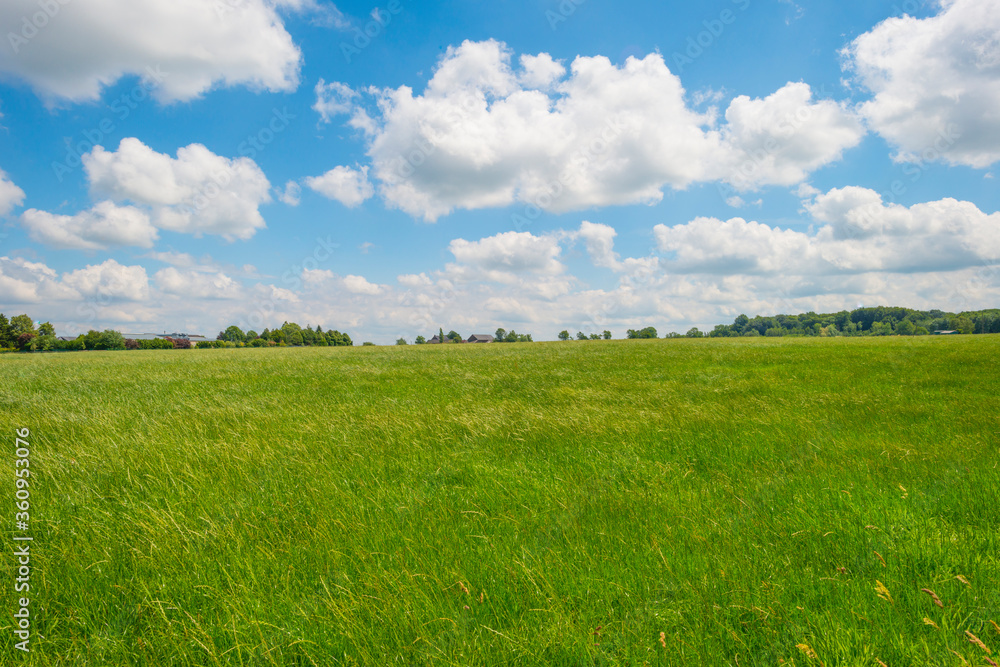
x: 665, y: 502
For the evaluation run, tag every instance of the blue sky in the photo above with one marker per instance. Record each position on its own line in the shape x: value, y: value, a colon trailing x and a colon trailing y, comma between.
x: 190, y: 164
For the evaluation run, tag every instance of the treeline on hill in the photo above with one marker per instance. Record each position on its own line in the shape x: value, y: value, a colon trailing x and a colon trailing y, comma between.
x: 501, y: 335
x: 290, y: 334
x: 19, y: 333
x: 880, y: 321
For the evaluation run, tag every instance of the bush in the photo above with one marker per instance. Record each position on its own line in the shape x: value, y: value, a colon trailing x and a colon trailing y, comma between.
x: 111, y: 340
x: 131, y: 344
x: 74, y: 345
x: 156, y: 344
x: 180, y: 343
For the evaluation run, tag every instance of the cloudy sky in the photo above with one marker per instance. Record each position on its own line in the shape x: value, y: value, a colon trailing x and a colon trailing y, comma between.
x: 393, y: 167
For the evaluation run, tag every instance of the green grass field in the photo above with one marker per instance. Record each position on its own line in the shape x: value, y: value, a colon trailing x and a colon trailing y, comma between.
x: 682, y: 502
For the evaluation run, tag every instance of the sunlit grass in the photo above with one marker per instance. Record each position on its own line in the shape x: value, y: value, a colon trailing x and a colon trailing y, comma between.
x: 753, y: 500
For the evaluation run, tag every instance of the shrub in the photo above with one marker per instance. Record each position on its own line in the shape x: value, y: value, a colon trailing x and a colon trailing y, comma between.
x: 111, y: 340
x: 131, y: 344
x: 181, y: 343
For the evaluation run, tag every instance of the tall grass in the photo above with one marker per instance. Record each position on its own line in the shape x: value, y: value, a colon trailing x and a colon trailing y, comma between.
x: 683, y: 502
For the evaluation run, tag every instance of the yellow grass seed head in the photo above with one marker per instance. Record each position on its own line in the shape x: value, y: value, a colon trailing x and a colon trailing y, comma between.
x: 883, y: 592
x: 931, y: 623
x: 663, y: 639
x: 963, y: 580
x: 934, y: 597
x: 975, y: 640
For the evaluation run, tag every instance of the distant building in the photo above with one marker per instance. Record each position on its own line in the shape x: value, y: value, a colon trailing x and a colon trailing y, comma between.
x: 480, y: 338
x: 434, y: 341
x: 946, y: 333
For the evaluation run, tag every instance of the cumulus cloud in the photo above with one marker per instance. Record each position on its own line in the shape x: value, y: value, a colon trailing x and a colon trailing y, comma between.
x: 25, y: 282
x: 360, y: 285
x: 414, y: 280
x: 197, y: 285
x: 861, y: 235
x: 103, y: 226
x: 10, y: 195
x: 198, y: 192
x: 350, y: 187
x: 485, y: 133
x: 197, y: 45
x: 109, y: 280
x: 509, y: 254
x: 782, y: 138
x: 936, y: 82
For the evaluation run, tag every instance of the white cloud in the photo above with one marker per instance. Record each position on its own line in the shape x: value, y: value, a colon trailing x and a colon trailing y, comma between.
x: 860, y: 235
x: 103, y: 226
x: 197, y: 285
x: 333, y: 99
x: 291, y: 195
x: 10, y: 195
x: 600, y: 241
x: 350, y: 187
x: 782, y: 138
x: 414, y: 280
x: 508, y: 254
x: 198, y: 192
x: 27, y: 282
x: 359, y: 285
x: 936, y: 82
x: 317, y: 276
x: 197, y: 44
x: 484, y: 134
x: 109, y: 280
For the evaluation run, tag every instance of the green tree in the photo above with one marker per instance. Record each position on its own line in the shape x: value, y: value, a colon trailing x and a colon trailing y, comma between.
x: 960, y: 324
x: 594, y: 336
x: 6, y: 334
x: 401, y: 341
x: 499, y: 334
x: 694, y: 332
x: 252, y: 335
x: 295, y: 338
x: 308, y: 335
x: 607, y: 335
x: 905, y: 328
x: 563, y: 335
x: 91, y: 339
x: 367, y: 344
x: 46, y: 329
x: 20, y: 324
x: 234, y: 335
x: 420, y: 340
x: 581, y: 336
x: 454, y: 336
x: 110, y: 340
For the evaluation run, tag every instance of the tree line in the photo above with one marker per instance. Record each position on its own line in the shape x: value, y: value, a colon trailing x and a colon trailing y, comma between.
x: 20, y: 333
x: 501, y: 335
x: 878, y: 321
x: 289, y: 334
